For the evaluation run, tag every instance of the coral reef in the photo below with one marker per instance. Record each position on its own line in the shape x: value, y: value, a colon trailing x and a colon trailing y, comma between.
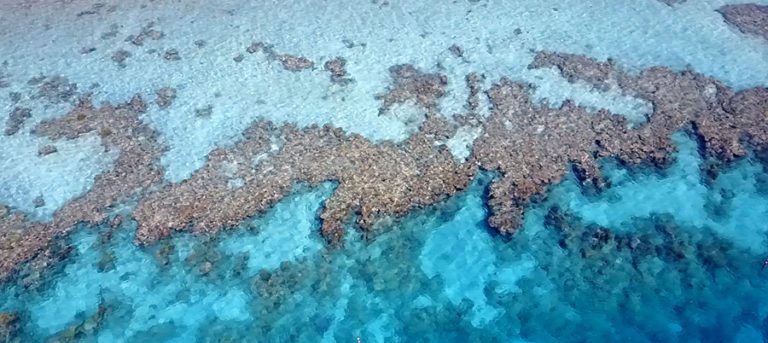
x: 84, y: 328
x: 172, y: 55
x: 531, y: 145
x: 337, y: 68
x: 165, y: 96
x: 374, y: 179
x: 135, y: 169
x: 57, y: 89
x: 289, y: 62
x: 749, y: 18
x: 16, y: 119
x: 47, y: 150
x: 410, y: 84
x: 9, y: 325
x: 120, y: 56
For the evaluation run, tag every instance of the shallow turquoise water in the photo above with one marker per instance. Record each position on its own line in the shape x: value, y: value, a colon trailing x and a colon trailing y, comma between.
x: 439, y: 275
x: 681, y: 264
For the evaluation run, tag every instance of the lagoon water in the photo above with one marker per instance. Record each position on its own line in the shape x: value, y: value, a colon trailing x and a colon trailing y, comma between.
x: 660, y: 256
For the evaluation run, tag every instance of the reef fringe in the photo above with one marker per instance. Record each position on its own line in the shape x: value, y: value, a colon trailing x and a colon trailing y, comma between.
x: 373, y: 179
x: 532, y: 146
x: 136, y: 168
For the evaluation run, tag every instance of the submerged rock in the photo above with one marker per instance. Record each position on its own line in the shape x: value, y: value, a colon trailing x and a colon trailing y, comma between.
x: 165, y: 96
x: 57, y: 89
x: 295, y: 63
x: 172, y: 55
x: 749, y: 18
x: 9, y: 326
x: 456, y: 50
x: 47, y: 150
x: 136, y: 168
x: 337, y: 68
x: 16, y: 119
x: 204, y: 112
x: 673, y: 2
x: 14, y: 97
x: 411, y: 84
x: 87, y: 50
x: 146, y: 32
x: 120, y: 56
x: 206, y: 268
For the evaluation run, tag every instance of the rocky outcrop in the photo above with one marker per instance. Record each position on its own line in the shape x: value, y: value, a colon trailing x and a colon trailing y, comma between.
x: 288, y: 61
x: 530, y: 145
x: 135, y: 169
x: 411, y: 84
x: 374, y: 180
x: 749, y: 18
x: 16, y: 119
x: 337, y: 68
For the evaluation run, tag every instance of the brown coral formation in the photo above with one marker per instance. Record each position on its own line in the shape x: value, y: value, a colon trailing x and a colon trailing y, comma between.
x: 47, y: 150
x: 531, y: 145
x: 289, y: 62
x: 722, y: 120
x: 338, y: 70
x: 165, y: 96
x: 57, y: 89
x: 146, y: 32
x: 374, y: 180
x: 135, y: 169
x: 749, y: 18
x: 295, y: 63
x: 16, y: 119
x: 9, y: 326
x: 411, y: 84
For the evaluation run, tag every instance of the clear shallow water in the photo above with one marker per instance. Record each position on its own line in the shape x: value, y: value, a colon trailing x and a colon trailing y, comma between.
x: 682, y: 263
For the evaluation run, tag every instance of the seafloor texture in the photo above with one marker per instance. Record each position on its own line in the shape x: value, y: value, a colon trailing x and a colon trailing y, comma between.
x: 749, y: 18
x: 332, y: 171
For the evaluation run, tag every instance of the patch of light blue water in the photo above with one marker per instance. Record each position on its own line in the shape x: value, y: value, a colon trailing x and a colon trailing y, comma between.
x: 680, y: 191
x: 56, y: 178
x: 637, y: 34
x: 286, y: 232
x: 462, y: 244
